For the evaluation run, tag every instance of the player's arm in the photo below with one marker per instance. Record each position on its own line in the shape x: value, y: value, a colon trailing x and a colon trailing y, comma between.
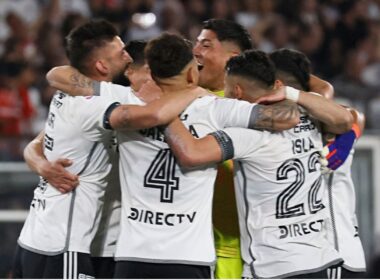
x: 68, y: 79
x: 237, y: 113
x: 336, y: 119
x: 158, y: 112
x: 322, y: 87
x: 337, y: 151
x: 191, y: 152
x: 54, y: 172
x: 279, y: 116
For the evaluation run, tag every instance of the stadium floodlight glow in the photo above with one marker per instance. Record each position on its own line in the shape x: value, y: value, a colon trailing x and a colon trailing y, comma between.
x: 145, y: 20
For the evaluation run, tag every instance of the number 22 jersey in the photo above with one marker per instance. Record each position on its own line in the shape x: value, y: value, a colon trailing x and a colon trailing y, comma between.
x: 279, y: 192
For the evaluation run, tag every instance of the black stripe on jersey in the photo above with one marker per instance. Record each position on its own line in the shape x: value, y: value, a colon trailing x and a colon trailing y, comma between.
x: 107, y: 114
x: 96, y: 88
x: 225, y: 144
x: 246, y: 204
x: 332, y: 214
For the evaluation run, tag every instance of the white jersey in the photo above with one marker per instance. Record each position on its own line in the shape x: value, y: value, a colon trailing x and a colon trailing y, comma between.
x: 68, y: 222
x: 104, y: 243
x: 166, y: 210
x: 344, y: 226
x: 279, y: 193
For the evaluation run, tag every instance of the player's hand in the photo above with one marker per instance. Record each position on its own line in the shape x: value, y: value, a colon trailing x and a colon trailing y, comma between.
x: 149, y: 92
x: 337, y: 151
x: 56, y: 174
x: 276, y: 95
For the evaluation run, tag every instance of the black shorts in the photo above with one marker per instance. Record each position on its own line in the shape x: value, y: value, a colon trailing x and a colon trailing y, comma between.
x: 342, y: 273
x: 130, y: 269
x: 333, y: 272
x: 104, y: 267
x: 67, y: 265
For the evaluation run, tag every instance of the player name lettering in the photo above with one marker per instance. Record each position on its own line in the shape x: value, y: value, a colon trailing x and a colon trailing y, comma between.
x: 38, y: 204
x: 302, y: 145
x: 304, y: 125
x: 160, y: 218
x: 153, y: 133
x: 300, y: 229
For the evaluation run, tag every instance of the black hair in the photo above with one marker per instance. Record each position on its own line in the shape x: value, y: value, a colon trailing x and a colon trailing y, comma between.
x: 167, y: 55
x: 135, y: 48
x: 253, y: 65
x: 84, y: 39
x: 292, y: 67
x: 230, y: 31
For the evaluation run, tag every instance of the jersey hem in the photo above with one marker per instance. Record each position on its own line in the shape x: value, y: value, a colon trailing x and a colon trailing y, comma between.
x: 354, y: 269
x: 313, y: 270
x: 165, y: 261
x: 41, y: 252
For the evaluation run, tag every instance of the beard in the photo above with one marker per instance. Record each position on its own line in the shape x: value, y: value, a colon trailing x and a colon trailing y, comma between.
x: 120, y: 79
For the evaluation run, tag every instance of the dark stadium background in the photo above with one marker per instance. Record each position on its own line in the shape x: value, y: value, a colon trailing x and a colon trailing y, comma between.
x: 341, y: 38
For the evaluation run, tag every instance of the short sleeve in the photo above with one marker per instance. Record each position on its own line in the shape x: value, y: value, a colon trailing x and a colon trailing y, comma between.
x: 246, y: 142
x: 232, y: 112
x: 118, y: 93
x: 90, y: 114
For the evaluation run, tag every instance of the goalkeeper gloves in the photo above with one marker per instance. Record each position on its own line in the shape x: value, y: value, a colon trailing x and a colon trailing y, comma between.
x: 337, y: 151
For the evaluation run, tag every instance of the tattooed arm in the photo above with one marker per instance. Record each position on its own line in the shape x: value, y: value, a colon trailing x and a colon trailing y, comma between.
x: 276, y: 117
x: 334, y: 117
x: 71, y: 81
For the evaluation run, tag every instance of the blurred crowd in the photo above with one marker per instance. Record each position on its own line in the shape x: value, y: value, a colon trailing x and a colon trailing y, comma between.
x: 341, y: 38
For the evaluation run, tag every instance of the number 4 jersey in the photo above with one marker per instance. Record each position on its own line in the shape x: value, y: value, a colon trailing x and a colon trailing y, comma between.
x: 166, y: 210
x: 279, y: 193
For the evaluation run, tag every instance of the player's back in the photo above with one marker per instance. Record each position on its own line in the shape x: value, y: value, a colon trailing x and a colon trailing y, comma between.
x: 279, y: 191
x: 167, y: 209
x: 58, y: 222
x: 343, y: 229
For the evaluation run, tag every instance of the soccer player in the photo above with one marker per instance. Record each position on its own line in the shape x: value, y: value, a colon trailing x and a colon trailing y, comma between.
x: 218, y: 41
x: 56, y: 237
x: 166, y: 217
x: 293, y: 67
x: 277, y: 176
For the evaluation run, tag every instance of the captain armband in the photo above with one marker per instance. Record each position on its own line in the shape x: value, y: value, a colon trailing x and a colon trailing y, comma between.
x: 107, y: 114
x: 225, y: 143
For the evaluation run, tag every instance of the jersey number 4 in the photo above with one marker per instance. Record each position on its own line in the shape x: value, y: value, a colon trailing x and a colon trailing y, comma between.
x: 161, y: 175
x: 283, y: 209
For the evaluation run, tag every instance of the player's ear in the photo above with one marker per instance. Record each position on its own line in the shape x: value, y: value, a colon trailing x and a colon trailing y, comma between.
x: 191, y: 75
x: 238, y: 91
x: 278, y: 84
x: 102, y: 67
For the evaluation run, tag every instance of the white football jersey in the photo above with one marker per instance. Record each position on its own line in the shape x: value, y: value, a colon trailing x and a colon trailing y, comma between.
x: 74, y: 129
x: 104, y: 243
x: 279, y: 192
x: 166, y: 210
x: 344, y: 225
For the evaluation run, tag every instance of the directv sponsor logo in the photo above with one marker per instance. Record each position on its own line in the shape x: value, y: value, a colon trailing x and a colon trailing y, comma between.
x: 300, y: 229
x: 160, y: 218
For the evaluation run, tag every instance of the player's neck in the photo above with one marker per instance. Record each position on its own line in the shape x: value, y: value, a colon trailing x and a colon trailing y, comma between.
x: 217, y: 86
x: 174, y: 85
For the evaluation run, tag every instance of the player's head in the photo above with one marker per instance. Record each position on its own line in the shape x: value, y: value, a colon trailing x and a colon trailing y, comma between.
x: 138, y: 72
x: 171, y: 60
x: 292, y: 68
x: 218, y: 41
x: 95, y: 49
x: 249, y: 75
